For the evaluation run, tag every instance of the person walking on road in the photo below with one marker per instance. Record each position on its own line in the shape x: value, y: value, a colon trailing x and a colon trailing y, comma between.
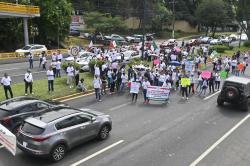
x: 211, y: 81
x: 50, y: 75
x: 40, y: 59
x: 44, y: 61
x: 28, y: 79
x: 145, y: 84
x: 6, y: 82
x: 97, y: 86
x: 217, y: 81
x: 30, y: 56
x: 203, y: 87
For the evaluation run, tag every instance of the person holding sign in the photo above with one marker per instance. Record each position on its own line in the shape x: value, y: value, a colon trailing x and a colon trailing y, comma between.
x: 185, y: 82
x: 145, y: 85
x: 134, y: 90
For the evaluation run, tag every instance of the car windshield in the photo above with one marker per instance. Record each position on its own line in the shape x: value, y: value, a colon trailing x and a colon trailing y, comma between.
x: 32, y: 129
x: 26, y: 48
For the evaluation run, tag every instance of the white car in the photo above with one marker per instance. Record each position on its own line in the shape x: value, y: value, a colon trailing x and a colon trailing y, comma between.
x: 226, y: 40
x: 130, y: 54
x: 34, y: 49
x: 206, y: 40
x: 243, y: 37
x: 215, y: 41
x: 234, y: 37
x: 82, y: 54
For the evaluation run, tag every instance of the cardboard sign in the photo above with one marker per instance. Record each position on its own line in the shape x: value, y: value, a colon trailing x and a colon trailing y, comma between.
x: 189, y: 66
x: 8, y: 140
x: 158, y: 93
x: 223, y: 74
x: 134, y: 87
x: 185, y: 82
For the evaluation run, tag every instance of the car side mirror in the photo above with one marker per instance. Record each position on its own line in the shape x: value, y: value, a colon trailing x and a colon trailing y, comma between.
x: 93, y: 119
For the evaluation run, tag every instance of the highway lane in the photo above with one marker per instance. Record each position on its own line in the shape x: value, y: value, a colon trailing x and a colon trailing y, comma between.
x: 175, y: 134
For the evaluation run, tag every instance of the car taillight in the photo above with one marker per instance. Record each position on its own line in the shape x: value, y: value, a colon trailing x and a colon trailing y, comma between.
x: 40, y: 139
x: 6, y: 120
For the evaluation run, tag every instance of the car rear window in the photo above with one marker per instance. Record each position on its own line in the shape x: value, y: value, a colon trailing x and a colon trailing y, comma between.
x: 32, y: 129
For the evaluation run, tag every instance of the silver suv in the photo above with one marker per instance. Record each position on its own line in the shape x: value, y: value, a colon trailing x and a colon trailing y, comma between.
x: 53, y: 133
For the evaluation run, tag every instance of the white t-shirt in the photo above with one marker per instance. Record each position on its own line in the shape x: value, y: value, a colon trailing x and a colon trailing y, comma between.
x: 50, y: 75
x: 58, y: 65
x: 6, y: 81
x: 97, y: 83
x: 70, y: 71
x: 28, y: 77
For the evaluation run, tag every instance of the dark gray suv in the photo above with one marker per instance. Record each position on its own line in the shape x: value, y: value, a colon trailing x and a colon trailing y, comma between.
x: 235, y: 90
x: 53, y: 133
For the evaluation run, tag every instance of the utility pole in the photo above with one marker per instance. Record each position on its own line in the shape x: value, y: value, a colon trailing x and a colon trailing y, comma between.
x: 143, y: 29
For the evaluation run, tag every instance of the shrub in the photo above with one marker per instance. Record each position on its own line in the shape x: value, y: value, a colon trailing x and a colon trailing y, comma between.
x: 97, y: 62
x: 220, y: 48
x: 66, y: 64
x: 247, y: 43
x: 137, y: 61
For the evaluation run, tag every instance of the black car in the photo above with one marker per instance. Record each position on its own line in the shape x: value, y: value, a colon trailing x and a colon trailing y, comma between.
x: 235, y: 90
x: 15, y: 110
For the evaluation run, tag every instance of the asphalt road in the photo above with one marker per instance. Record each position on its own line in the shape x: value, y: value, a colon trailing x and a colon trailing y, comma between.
x: 177, y: 134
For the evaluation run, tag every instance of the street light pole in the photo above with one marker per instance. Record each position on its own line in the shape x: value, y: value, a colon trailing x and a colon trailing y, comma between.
x: 143, y: 29
x: 173, y: 21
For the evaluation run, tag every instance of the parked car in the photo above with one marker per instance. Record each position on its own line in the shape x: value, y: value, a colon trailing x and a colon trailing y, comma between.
x: 130, y: 54
x: 168, y: 44
x: 134, y: 38
x: 55, y: 132
x: 15, y: 110
x: 234, y: 37
x: 215, y: 42
x: 243, y: 37
x: 226, y: 39
x: 114, y: 37
x: 33, y: 49
x: 206, y: 40
x: 74, y: 32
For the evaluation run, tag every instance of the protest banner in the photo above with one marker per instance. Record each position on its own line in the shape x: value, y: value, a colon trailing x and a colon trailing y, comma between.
x: 134, y: 87
x: 189, y: 66
x: 7, y: 139
x: 158, y: 93
x: 185, y: 82
x: 223, y: 74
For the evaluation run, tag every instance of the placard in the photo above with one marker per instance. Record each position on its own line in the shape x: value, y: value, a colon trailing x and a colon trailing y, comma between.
x: 134, y: 87
x: 157, y: 93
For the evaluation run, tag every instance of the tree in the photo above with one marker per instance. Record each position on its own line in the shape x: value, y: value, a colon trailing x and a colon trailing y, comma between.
x: 211, y: 14
x: 243, y: 15
x: 102, y: 22
x: 54, y: 20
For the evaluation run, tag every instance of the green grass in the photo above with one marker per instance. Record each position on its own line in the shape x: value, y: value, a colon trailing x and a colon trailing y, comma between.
x: 40, y: 88
x: 230, y: 53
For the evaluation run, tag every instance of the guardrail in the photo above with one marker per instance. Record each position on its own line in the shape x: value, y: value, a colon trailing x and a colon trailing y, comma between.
x: 20, y: 9
x: 13, y: 55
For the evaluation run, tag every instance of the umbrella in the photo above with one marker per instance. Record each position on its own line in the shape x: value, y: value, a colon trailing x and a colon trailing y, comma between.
x: 206, y: 74
x: 177, y: 49
x: 175, y: 63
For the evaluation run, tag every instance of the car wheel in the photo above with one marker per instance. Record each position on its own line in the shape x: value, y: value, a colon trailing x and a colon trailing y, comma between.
x: 58, y: 153
x: 104, y: 132
x: 220, y: 102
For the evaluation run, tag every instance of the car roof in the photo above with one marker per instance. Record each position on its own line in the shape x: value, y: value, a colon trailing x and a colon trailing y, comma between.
x: 56, y: 113
x: 240, y: 80
x: 17, y: 102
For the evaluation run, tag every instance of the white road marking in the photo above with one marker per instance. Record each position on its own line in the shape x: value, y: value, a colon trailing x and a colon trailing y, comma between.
x: 32, y: 73
x: 210, y: 149
x: 9, y: 69
x: 208, y: 97
x: 119, y: 106
x: 77, y: 97
x: 97, y: 153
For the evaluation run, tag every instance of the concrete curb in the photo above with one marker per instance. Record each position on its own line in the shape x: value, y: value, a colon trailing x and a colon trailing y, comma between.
x: 74, y: 95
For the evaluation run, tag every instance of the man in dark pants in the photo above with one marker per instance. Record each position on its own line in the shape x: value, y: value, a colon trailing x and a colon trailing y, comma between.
x: 50, y: 75
x: 211, y: 83
x: 28, y: 79
x: 30, y: 60
x: 6, y: 82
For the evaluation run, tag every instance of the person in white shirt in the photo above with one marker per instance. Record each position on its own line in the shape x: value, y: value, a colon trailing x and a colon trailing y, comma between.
x: 44, y: 61
x: 217, y: 81
x: 59, y: 56
x: 145, y: 85
x: 124, y: 80
x: 97, y: 70
x: 6, y: 82
x: 30, y: 56
x: 50, y: 75
x: 70, y: 75
x: 58, y: 68
x: 97, y: 86
x: 28, y: 79
x: 53, y: 57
